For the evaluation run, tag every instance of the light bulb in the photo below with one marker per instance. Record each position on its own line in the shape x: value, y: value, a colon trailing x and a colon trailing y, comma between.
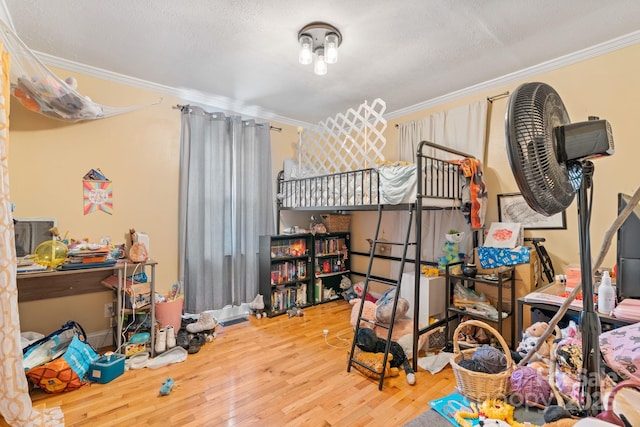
x: 331, y: 48
x: 306, y: 50
x: 320, y: 67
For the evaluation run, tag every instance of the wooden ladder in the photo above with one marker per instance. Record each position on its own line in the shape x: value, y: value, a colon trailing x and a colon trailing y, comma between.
x: 391, y: 282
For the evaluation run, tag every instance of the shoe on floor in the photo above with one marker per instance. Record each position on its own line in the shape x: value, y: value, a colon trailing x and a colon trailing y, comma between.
x: 205, y: 322
x: 182, y: 339
x: 195, y: 343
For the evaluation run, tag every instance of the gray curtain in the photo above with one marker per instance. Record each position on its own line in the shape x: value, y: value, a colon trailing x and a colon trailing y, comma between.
x: 226, y: 203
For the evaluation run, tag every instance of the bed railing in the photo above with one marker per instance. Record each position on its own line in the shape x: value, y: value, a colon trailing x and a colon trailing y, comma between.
x: 360, y: 189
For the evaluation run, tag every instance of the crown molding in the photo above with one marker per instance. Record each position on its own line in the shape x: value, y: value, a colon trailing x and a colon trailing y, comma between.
x: 563, y: 61
x: 229, y: 106
x: 190, y: 96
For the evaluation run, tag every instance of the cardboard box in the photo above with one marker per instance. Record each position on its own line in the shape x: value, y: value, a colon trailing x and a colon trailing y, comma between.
x: 138, y: 295
x: 528, y: 276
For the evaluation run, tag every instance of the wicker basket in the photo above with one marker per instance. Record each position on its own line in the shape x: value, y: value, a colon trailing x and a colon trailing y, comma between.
x: 336, y: 223
x: 480, y: 386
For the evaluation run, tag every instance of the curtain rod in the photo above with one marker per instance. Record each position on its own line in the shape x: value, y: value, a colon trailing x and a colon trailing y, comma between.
x: 489, y: 98
x: 273, y: 128
x: 498, y: 96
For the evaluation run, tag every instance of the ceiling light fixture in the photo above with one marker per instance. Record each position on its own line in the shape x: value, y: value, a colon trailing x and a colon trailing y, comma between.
x: 319, y: 40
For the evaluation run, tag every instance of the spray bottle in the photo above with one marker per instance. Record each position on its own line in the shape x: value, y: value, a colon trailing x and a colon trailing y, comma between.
x: 606, y: 295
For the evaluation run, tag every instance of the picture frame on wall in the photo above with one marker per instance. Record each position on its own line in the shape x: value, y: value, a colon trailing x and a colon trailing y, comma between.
x: 512, y: 207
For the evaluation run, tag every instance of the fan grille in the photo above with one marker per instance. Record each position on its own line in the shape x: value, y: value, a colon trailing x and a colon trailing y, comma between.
x: 534, y: 109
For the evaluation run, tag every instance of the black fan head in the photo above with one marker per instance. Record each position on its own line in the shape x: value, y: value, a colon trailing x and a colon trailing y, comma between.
x: 533, y: 111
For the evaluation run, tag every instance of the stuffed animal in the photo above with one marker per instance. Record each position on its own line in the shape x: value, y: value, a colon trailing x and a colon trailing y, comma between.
x: 452, y: 254
x: 359, y: 289
x: 384, y: 307
x: 367, y: 340
x: 571, y: 331
x: 536, y: 330
x: 374, y: 361
x: 430, y: 271
x: 368, y: 312
x: 348, y: 291
x: 529, y: 343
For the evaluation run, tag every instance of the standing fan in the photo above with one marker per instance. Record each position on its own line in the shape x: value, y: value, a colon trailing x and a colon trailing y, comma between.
x: 549, y: 160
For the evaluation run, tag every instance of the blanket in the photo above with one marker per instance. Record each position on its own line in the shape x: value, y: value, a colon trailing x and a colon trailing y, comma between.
x: 475, y: 193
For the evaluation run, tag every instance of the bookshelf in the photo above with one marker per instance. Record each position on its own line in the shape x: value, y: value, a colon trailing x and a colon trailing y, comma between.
x: 285, y: 272
x: 331, y: 261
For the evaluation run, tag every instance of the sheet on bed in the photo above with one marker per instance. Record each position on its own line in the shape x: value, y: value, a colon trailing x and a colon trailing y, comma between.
x: 398, y: 183
x: 388, y: 184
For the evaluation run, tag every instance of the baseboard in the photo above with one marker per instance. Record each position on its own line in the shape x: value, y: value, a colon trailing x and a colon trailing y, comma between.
x: 101, y: 339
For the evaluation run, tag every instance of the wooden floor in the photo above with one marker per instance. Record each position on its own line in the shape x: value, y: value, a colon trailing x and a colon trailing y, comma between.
x: 263, y: 372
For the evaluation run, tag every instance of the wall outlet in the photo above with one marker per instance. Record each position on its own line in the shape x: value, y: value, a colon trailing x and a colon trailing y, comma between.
x: 108, y: 310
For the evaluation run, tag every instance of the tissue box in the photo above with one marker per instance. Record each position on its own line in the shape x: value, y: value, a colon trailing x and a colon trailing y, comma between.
x: 106, y: 368
x: 490, y: 257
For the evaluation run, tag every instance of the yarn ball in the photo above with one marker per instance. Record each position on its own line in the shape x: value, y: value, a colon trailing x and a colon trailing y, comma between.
x: 493, y: 359
x: 473, y: 365
x: 527, y: 384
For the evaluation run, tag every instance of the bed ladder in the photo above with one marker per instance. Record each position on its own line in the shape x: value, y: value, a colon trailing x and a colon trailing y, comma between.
x: 391, y: 282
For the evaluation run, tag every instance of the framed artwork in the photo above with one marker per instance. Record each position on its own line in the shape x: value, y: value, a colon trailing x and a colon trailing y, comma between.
x: 512, y: 207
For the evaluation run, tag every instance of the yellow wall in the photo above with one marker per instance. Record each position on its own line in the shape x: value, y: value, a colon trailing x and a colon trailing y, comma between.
x: 606, y: 86
x: 139, y: 152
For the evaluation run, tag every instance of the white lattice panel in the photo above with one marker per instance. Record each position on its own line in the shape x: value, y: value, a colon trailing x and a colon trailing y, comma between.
x: 349, y: 141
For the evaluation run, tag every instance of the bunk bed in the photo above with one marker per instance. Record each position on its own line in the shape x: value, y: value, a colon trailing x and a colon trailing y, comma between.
x: 365, y: 189
x: 436, y: 181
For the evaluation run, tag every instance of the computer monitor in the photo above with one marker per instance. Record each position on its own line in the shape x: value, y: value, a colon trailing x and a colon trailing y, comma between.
x: 30, y: 232
x: 628, y: 255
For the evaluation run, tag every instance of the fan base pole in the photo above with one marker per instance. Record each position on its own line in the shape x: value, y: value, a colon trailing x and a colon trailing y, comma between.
x: 589, y: 320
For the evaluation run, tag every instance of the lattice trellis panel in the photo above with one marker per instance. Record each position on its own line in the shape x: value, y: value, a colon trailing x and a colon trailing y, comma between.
x: 348, y: 141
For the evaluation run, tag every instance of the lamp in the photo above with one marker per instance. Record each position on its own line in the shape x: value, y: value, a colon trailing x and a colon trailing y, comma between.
x: 319, y: 40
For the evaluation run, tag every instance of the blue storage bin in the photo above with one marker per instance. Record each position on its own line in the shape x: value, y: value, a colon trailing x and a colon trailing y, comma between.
x: 106, y: 368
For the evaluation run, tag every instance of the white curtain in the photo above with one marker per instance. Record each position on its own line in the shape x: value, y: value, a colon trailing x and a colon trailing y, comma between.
x: 226, y: 203
x: 463, y: 129
x: 15, y: 402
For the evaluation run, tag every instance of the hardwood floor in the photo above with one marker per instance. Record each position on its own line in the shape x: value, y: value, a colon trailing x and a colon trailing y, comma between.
x: 266, y: 372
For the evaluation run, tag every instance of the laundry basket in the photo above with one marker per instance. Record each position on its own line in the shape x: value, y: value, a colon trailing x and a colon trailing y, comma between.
x: 480, y: 386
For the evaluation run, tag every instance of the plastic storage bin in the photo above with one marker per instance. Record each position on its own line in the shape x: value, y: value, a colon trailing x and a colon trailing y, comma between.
x: 106, y: 368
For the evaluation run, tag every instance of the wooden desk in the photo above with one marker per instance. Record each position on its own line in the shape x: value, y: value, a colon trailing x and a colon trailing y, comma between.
x: 62, y: 283
x: 554, y: 289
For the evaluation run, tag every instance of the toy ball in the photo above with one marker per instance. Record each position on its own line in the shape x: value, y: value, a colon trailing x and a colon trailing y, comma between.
x: 493, y: 359
x: 527, y: 384
x: 51, y: 253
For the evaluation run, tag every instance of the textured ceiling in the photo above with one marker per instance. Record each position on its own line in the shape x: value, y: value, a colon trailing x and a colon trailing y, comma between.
x: 241, y: 55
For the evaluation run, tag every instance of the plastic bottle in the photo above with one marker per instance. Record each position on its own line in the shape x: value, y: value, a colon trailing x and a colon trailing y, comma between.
x: 606, y: 295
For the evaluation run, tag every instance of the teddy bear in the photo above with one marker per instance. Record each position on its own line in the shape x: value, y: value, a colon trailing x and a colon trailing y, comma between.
x: 374, y: 361
x: 535, y: 330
